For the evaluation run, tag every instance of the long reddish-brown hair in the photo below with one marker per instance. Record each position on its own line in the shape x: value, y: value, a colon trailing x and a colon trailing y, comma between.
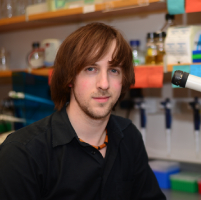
x: 84, y: 47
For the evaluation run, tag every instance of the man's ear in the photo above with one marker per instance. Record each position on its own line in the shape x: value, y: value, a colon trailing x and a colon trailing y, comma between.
x: 70, y: 85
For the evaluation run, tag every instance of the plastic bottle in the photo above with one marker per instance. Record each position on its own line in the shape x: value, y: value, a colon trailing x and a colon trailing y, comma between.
x: 138, y: 57
x: 160, y: 38
x: 151, y: 51
x: 36, y: 57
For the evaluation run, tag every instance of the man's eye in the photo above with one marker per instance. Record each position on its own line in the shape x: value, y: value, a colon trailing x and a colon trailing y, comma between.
x: 90, y: 69
x: 114, y: 71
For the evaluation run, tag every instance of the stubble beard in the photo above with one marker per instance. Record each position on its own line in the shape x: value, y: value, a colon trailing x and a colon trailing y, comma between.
x: 93, y: 114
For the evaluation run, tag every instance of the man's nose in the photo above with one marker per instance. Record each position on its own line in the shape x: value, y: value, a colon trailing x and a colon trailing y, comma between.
x: 103, y: 81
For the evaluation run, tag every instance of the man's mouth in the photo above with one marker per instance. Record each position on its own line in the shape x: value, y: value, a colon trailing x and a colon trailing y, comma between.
x: 101, y: 99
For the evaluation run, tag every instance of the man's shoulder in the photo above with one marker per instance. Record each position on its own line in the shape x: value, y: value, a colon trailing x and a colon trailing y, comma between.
x: 121, y: 121
x: 126, y: 126
x: 30, y: 132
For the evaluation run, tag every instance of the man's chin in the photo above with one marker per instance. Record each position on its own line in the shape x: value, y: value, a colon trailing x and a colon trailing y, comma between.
x: 98, y: 114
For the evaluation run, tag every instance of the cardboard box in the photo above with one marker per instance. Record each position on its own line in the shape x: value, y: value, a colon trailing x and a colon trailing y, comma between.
x: 180, y: 42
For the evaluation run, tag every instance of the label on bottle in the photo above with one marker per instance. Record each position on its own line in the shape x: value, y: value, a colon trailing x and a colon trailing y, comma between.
x: 151, y: 52
x: 136, y: 61
x: 35, y: 63
x: 89, y: 8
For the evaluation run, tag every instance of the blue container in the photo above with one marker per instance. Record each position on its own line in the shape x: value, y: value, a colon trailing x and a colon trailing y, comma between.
x: 196, y: 52
x: 163, y: 170
x: 196, y: 60
x: 31, y: 109
x: 163, y: 178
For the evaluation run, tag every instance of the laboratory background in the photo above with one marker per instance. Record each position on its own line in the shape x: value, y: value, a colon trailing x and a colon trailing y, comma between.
x: 165, y: 36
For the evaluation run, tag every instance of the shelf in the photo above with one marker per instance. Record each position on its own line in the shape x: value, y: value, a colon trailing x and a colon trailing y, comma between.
x: 170, y: 67
x: 44, y: 71
x: 40, y: 72
x: 64, y: 16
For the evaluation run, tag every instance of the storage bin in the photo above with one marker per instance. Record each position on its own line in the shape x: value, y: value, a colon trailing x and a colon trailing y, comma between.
x: 163, y: 170
x: 199, y: 186
x: 31, y: 109
x: 185, y: 181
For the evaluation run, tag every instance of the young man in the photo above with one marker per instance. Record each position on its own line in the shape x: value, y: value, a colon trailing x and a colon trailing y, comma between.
x: 82, y: 151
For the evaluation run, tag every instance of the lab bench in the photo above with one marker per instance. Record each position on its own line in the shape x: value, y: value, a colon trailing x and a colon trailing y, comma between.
x: 176, y: 195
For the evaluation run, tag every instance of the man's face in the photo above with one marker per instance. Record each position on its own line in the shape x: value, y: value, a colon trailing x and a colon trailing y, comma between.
x: 97, y: 87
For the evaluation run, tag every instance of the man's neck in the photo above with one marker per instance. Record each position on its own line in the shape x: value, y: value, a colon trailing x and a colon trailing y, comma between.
x: 90, y: 130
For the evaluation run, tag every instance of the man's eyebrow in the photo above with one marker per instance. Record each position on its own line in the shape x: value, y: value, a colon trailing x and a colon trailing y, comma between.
x: 116, y: 65
x: 95, y: 64
x: 110, y: 65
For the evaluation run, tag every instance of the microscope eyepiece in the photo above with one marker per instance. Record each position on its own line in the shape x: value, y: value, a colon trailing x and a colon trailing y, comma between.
x: 180, y: 78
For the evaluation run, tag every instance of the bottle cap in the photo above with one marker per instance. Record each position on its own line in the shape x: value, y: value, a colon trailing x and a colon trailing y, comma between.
x: 151, y: 35
x: 168, y: 16
x: 135, y: 43
x: 36, y: 45
x: 161, y: 35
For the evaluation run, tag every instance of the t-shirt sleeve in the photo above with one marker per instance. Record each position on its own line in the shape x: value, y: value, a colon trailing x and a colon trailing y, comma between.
x: 19, y: 173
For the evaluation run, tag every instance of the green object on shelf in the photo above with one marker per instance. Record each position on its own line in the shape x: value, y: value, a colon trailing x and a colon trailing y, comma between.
x: 186, y: 182
x: 5, y: 127
x: 89, y: 1
x: 57, y: 4
x: 196, y: 56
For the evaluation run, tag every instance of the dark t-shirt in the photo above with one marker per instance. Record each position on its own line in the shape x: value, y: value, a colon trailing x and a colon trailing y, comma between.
x: 46, y: 161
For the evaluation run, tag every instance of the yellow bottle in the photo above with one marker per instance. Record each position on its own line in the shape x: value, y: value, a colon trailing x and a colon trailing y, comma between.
x: 151, y: 52
x: 160, y: 47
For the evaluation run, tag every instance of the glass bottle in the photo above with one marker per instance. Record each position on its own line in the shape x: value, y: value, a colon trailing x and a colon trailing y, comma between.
x: 4, y: 56
x: 36, y: 57
x: 21, y: 6
x: 138, y: 57
x: 8, y: 8
x: 151, y: 51
x: 160, y: 47
x: 38, y: 1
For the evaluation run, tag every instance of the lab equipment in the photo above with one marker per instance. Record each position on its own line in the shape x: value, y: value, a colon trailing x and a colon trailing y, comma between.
x: 186, y: 80
x: 169, y: 22
x: 196, y: 118
x: 141, y: 105
x: 35, y: 102
x: 21, y: 95
x: 168, y: 121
